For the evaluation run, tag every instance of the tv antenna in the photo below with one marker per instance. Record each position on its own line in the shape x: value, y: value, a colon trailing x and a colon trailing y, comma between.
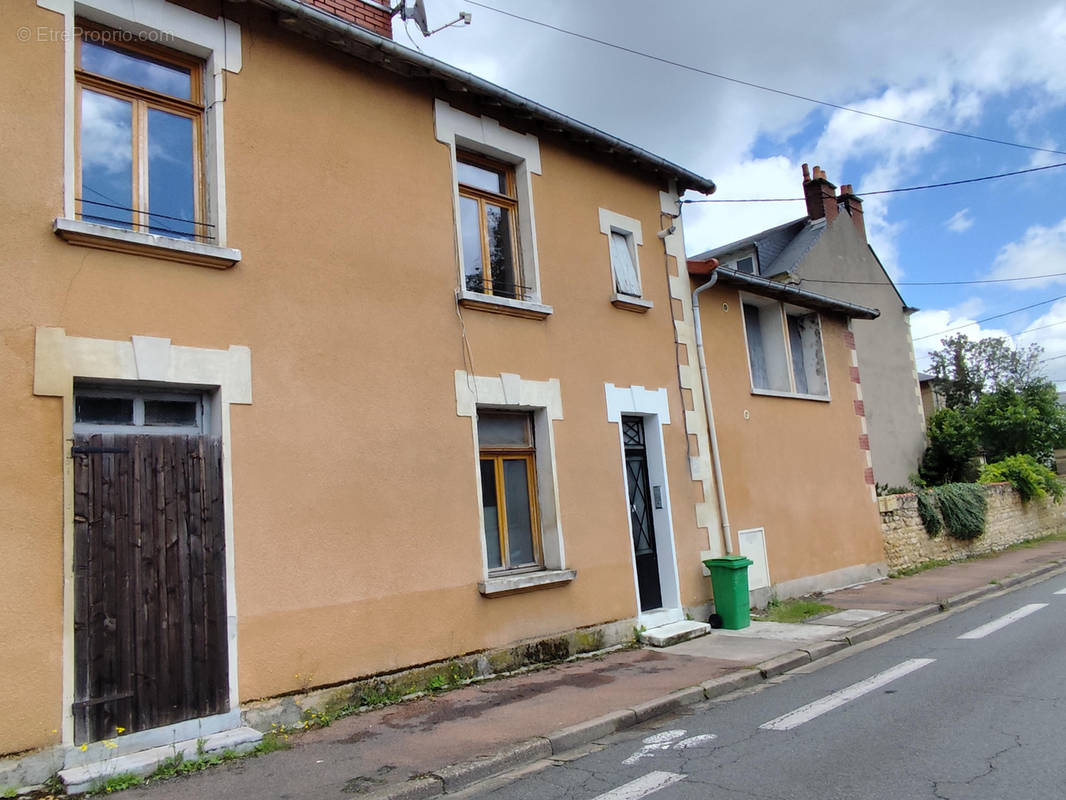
x: 416, y: 12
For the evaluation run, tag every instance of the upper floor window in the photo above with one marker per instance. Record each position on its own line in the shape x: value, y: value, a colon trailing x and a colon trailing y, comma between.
x: 488, y: 208
x: 784, y: 349
x: 139, y: 138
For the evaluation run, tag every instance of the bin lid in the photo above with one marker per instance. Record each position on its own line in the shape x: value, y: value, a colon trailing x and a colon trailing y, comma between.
x: 729, y: 562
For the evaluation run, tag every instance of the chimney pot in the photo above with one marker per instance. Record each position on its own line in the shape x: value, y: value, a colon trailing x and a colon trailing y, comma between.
x: 806, y: 173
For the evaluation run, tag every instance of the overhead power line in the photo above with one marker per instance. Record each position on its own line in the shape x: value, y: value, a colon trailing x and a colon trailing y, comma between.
x: 936, y: 283
x: 994, y: 316
x: 888, y: 191
x: 763, y: 87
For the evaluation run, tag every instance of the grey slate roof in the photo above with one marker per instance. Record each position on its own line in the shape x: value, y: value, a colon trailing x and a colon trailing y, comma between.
x: 387, y: 54
x: 779, y: 249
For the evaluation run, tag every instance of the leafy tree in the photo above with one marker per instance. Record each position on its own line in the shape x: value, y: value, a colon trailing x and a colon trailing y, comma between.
x: 949, y: 457
x: 1028, y: 421
x: 964, y: 370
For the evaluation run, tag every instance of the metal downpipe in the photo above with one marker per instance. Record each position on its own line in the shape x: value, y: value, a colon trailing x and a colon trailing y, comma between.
x: 715, y: 461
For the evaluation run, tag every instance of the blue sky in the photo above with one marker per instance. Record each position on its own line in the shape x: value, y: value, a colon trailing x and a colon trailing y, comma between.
x: 983, y: 67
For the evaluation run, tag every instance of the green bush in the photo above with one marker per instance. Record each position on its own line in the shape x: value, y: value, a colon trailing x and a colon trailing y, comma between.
x: 951, y: 450
x: 963, y: 507
x: 927, y: 511
x: 1027, y: 475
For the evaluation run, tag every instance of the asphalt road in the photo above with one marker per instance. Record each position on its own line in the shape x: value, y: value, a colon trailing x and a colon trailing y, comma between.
x: 970, y: 707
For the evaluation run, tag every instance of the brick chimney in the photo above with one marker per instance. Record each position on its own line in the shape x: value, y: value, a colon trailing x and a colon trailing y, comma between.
x: 853, y: 203
x: 820, y: 194
x: 375, y: 17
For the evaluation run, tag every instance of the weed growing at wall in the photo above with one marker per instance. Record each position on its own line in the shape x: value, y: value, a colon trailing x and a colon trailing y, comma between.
x: 963, y: 507
x: 1027, y: 475
x: 927, y: 511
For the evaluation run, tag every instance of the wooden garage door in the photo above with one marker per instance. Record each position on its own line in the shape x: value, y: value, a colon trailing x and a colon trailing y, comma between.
x: 150, y: 638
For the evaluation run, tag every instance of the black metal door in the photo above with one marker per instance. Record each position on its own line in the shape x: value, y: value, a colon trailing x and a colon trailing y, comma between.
x: 640, y: 514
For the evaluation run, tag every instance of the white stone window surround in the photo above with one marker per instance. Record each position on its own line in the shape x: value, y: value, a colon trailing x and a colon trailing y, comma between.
x: 612, y: 222
x: 59, y: 360
x: 459, y: 130
x: 509, y: 391
x: 654, y: 407
x: 786, y: 351
x: 218, y: 43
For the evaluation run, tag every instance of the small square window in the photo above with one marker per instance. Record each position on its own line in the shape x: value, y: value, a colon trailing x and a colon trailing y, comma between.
x: 509, y: 490
x: 784, y: 349
x: 624, y: 265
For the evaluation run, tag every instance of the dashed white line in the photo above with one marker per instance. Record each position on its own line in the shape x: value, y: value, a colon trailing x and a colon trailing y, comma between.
x: 642, y: 787
x: 1061, y: 591
x: 806, y: 713
x: 993, y: 626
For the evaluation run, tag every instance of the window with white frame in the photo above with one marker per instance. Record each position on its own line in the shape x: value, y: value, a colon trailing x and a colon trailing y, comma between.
x: 624, y: 238
x: 492, y: 169
x: 784, y: 348
x: 144, y: 164
x: 119, y: 410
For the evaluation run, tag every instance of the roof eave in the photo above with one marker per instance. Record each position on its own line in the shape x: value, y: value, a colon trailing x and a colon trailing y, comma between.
x: 384, y: 52
x: 790, y: 293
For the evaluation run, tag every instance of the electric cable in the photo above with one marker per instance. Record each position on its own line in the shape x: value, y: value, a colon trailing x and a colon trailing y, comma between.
x: 763, y: 87
x: 994, y: 316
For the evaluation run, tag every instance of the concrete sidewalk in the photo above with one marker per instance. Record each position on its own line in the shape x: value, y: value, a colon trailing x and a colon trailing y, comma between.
x: 441, y: 743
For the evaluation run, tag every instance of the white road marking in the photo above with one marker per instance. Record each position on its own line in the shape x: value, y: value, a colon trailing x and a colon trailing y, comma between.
x: 1002, y: 622
x: 642, y: 787
x: 695, y: 741
x: 806, y: 713
x: 665, y: 741
x: 1061, y: 591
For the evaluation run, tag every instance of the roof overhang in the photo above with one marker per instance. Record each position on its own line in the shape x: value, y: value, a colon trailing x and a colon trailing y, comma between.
x: 785, y: 292
x: 383, y: 52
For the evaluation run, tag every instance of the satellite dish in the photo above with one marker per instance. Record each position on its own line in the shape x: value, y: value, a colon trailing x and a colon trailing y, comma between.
x: 417, y: 13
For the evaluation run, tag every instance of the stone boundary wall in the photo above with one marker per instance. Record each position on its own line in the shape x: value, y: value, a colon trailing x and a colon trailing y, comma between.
x: 1009, y: 521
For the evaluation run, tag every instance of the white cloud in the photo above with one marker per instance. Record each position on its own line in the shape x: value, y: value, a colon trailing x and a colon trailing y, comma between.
x: 929, y: 327
x: 960, y: 221
x: 1040, y: 251
x: 712, y: 224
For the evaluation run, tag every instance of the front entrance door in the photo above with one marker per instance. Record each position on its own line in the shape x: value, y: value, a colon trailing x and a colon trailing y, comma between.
x: 150, y: 628
x: 640, y: 514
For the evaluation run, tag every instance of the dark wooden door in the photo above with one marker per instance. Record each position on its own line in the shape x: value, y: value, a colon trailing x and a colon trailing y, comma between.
x: 150, y: 638
x: 640, y: 513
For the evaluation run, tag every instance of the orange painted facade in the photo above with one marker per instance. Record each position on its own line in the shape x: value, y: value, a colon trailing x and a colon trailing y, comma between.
x: 352, y: 480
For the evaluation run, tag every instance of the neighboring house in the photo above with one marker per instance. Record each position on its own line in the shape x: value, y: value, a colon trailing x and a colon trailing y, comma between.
x: 827, y: 252
x: 321, y: 359
x: 788, y: 409
x: 932, y: 399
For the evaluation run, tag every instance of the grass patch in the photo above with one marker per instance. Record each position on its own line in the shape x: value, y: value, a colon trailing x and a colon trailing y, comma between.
x: 796, y: 610
x: 117, y: 783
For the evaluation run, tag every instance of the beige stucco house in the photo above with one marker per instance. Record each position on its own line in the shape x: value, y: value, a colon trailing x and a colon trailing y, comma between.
x: 783, y: 381
x: 320, y: 359
x: 827, y: 252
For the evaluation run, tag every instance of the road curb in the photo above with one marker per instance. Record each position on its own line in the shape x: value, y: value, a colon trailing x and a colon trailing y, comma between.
x: 460, y: 775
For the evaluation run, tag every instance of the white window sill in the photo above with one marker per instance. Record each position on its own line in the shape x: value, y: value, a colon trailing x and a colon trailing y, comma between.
x: 104, y: 237
x: 822, y: 398
x: 631, y: 303
x: 525, y: 582
x: 504, y: 305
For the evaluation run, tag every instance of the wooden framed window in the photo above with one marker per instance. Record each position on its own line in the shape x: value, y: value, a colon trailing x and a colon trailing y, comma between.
x: 784, y: 349
x: 488, y: 211
x: 509, y: 490
x: 139, y: 115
